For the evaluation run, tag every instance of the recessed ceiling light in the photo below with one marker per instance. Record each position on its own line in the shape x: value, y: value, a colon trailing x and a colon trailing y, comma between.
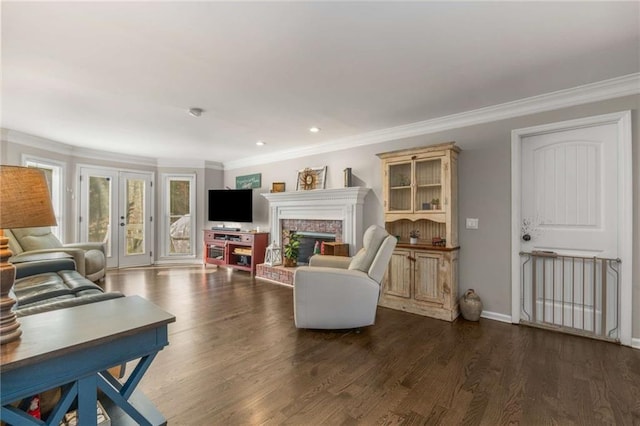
x: 195, y: 112
x: 260, y: 143
x: 314, y: 129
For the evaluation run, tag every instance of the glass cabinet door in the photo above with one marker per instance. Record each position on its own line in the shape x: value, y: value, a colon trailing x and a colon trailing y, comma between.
x: 428, y: 190
x: 400, y: 184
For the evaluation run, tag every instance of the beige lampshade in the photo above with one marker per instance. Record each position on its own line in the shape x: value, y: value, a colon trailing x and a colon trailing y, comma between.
x: 24, y: 198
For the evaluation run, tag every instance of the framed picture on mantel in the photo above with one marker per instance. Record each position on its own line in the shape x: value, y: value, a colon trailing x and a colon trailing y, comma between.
x: 311, y: 178
x: 277, y: 187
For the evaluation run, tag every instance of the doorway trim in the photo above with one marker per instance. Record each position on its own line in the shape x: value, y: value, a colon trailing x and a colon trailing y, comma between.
x: 622, y: 120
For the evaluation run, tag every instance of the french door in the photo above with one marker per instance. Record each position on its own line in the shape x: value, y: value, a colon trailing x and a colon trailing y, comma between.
x: 115, y: 208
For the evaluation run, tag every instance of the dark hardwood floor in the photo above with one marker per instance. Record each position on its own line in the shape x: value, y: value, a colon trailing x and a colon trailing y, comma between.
x: 235, y: 358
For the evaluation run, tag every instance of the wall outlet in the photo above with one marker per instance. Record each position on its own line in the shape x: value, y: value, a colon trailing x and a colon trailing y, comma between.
x: 472, y: 223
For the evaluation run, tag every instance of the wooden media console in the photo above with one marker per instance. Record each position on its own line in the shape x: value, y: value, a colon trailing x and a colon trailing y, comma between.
x: 235, y: 249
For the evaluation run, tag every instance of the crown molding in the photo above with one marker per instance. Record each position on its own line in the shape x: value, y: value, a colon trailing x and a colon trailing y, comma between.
x: 15, y: 136
x: 96, y: 154
x: 593, y: 92
x: 189, y: 164
x: 213, y: 165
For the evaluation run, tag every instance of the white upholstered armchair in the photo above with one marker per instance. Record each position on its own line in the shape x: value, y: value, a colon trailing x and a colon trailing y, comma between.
x: 336, y: 292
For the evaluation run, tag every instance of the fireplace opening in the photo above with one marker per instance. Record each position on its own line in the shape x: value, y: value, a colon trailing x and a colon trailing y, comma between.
x: 308, y: 242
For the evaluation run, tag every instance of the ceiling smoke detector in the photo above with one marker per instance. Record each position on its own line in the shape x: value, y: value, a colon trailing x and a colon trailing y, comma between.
x: 195, y: 112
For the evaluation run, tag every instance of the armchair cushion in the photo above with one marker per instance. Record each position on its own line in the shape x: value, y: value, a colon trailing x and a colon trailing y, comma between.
x: 45, y: 285
x: 341, y: 262
x: 381, y: 260
x: 26, y: 256
x: 90, y: 258
x: 371, y: 241
x: 36, y: 238
x: 13, y: 243
x: 35, y: 267
x: 94, y: 262
x: 50, y: 285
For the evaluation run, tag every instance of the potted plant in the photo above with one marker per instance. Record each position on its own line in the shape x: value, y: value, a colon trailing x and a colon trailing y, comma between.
x: 413, y: 236
x: 435, y: 203
x: 291, y: 248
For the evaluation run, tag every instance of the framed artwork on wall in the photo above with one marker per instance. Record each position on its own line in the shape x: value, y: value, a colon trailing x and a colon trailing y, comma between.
x: 311, y: 178
x: 249, y: 181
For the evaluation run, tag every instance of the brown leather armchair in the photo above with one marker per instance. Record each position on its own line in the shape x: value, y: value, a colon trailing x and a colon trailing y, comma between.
x: 90, y: 258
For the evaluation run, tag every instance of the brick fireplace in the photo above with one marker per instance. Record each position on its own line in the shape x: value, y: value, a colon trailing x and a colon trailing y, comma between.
x: 337, y: 212
x: 310, y: 233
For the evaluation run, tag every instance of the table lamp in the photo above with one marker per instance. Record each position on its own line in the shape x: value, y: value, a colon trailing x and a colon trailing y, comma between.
x: 24, y: 203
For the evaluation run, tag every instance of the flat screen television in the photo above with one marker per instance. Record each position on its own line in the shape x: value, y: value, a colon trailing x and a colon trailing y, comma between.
x: 231, y: 205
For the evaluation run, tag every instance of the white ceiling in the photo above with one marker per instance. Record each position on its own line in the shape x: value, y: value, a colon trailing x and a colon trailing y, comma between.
x: 120, y: 76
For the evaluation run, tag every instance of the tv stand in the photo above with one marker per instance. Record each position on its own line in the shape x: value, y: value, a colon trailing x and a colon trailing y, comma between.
x: 235, y: 249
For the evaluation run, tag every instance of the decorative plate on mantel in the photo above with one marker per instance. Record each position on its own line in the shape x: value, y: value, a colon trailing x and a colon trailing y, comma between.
x: 311, y: 178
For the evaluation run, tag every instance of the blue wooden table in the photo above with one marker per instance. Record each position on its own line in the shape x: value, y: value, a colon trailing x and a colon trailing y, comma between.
x: 73, y: 348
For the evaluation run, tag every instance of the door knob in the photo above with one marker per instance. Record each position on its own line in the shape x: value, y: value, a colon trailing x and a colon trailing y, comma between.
x: 526, y: 237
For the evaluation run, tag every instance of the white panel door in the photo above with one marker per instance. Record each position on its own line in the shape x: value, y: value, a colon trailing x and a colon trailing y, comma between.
x: 572, y: 195
x: 569, y: 192
x: 569, y: 206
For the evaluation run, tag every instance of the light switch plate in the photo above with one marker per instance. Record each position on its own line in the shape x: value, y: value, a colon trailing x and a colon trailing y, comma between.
x: 472, y: 223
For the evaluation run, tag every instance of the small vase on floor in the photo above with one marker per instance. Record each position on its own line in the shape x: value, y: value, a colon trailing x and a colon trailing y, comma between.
x: 470, y: 306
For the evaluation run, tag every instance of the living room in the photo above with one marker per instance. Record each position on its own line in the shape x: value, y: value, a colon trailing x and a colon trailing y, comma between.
x: 480, y: 123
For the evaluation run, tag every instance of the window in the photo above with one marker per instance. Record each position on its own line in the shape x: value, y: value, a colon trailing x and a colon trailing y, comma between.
x: 54, y: 172
x: 179, y: 217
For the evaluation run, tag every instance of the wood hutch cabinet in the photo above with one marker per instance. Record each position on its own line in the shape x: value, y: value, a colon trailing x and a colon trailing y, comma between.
x: 420, y: 194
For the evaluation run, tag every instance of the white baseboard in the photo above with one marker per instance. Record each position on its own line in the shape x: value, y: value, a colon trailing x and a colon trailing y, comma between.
x: 635, y: 342
x: 178, y: 262
x: 496, y: 316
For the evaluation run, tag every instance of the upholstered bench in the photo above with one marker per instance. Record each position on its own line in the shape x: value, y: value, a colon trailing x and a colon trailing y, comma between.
x: 46, y: 285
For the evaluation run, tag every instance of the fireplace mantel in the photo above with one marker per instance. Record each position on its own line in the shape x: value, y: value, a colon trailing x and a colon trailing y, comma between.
x: 345, y: 204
